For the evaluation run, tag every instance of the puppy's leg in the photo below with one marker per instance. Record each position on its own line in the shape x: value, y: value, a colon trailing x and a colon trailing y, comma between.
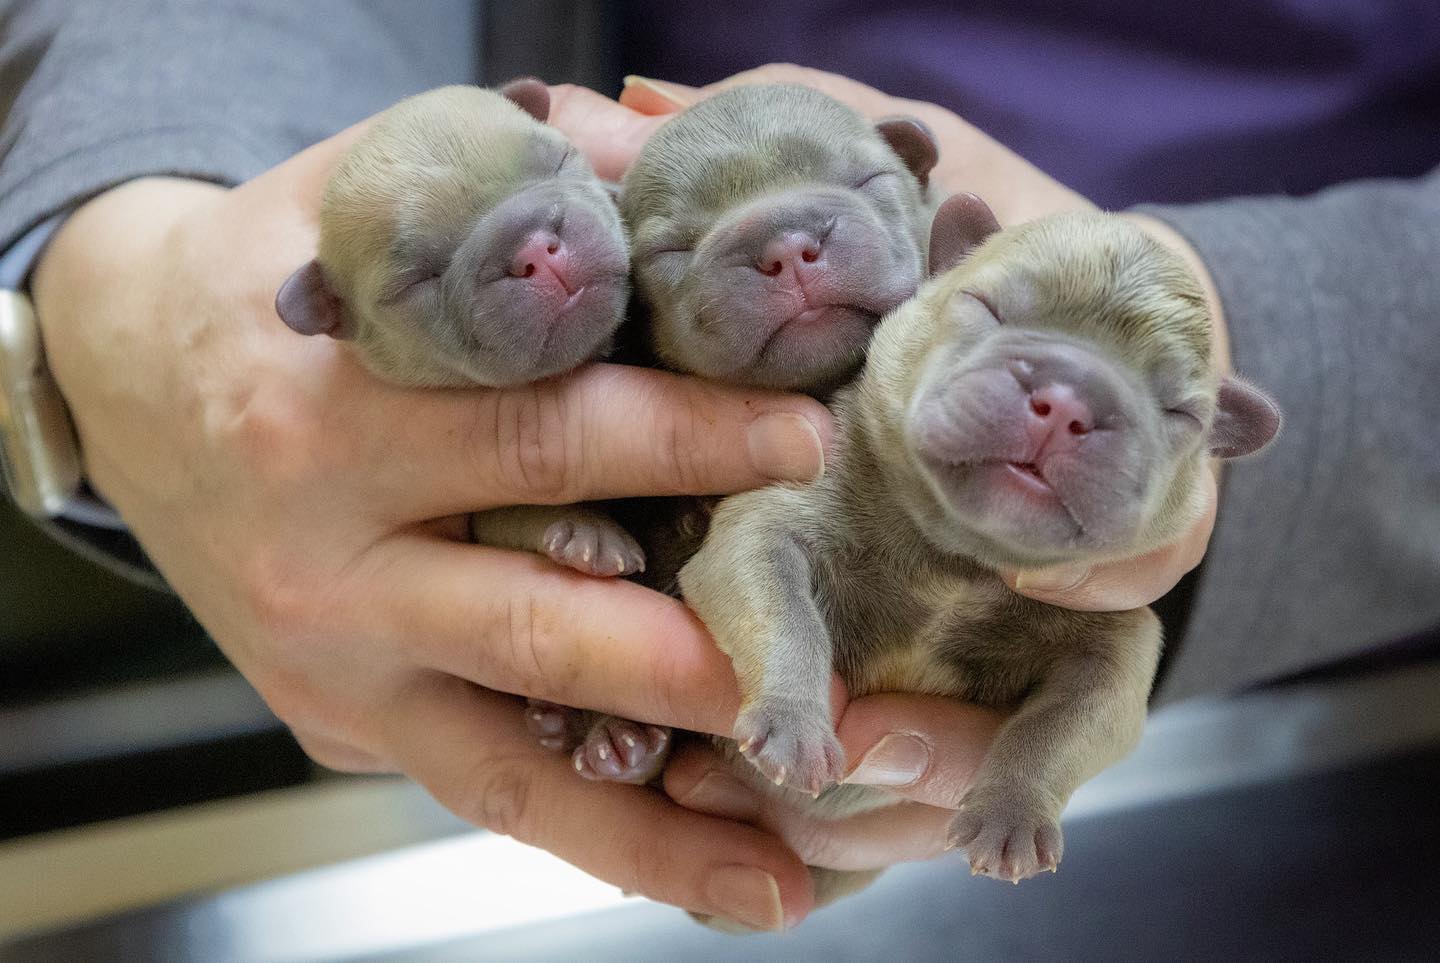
x: 1086, y: 714
x: 750, y: 585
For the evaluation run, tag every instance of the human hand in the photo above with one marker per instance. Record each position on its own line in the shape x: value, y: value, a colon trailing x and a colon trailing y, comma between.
x: 1015, y: 190
x: 312, y: 519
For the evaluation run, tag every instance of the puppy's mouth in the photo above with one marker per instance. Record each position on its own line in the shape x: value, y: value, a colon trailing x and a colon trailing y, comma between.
x: 1023, y: 487
x: 817, y: 330
x: 1029, y: 477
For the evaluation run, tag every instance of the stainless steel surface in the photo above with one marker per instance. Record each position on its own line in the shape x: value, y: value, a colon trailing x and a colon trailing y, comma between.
x: 133, y: 719
x: 1258, y: 827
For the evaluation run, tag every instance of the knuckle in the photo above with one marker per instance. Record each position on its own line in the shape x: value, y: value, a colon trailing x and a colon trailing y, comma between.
x: 671, y: 685
x: 274, y: 434
x: 336, y: 755
x: 683, y: 453
x: 815, y: 843
x: 564, y: 93
x: 497, y: 797
x: 533, y: 443
x: 330, y: 728
x: 292, y: 698
x: 785, y: 71
x: 281, y: 600
x: 527, y: 646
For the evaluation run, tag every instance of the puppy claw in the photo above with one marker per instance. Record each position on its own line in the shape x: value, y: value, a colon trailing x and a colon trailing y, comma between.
x: 1006, y: 834
x: 593, y: 545
x: 791, y: 742
x: 619, y: 750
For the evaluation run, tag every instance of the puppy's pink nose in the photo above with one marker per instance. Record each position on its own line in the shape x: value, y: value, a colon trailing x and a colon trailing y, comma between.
x: 1058, y: 417
x: 797, y: 250
x: 542, y: 253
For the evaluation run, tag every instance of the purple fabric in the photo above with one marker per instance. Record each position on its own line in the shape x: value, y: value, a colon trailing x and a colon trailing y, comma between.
x: 1125, y: 100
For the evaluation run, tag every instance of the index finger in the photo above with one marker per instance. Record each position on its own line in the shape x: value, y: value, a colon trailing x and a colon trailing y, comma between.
x: 520, y: 624
x: 607, y: 431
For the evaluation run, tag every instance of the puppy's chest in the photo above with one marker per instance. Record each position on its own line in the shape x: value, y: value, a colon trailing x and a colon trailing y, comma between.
x: 916, y: 629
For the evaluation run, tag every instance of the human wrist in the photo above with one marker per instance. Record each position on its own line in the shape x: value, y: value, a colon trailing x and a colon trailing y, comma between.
x: 100, y: 292
x: 111, y: 238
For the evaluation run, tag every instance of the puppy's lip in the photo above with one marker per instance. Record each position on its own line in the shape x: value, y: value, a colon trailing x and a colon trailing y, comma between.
x: 820, y: 313
x: 1029, y: 477
x: 1020, y: 477
x: 813, y: 322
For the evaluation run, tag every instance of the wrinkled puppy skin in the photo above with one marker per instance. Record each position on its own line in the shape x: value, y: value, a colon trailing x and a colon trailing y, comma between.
x: 464, y: 243
x: 1047, y: 398
x: 773, y: 227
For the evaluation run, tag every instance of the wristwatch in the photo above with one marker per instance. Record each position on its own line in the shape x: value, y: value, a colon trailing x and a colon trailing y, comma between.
x: 40, y: 464
x: 38, y: 451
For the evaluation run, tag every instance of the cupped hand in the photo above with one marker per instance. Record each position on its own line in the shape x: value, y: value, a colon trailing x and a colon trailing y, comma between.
x: 312, y: 519
x: 612, y: 134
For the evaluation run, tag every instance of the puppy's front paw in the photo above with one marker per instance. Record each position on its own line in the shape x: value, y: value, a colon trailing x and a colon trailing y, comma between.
x: 594, y: 545
x: 792, y: 743
x: 1006, y: 834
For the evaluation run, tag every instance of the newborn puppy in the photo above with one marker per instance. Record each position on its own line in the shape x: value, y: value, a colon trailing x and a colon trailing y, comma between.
x: 773, y: 226
x: 1047, y: 398
x: 462, y: 243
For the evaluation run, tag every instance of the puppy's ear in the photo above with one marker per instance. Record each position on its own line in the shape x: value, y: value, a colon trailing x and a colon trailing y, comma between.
x: 1246, y: 420
x: 912, y: 142
x: 961, y: 225
x: 308, y: 304
x: 530, y: 95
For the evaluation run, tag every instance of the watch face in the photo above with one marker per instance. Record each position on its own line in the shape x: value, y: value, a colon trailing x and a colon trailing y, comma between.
x: 39, y: 456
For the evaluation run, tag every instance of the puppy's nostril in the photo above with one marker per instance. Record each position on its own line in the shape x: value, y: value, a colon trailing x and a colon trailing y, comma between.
x: 1076, y: 428
x: 1041, y: 408
x: 793, y: 248
x: 540, y: 249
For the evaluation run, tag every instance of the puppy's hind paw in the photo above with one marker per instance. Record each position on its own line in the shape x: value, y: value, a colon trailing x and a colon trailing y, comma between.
x: 619, y: 750
x: 593, y: 545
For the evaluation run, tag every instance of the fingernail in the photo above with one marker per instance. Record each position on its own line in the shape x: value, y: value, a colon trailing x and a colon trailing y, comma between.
x: 897, y: 760
x: 747, y: 895
x: 784, y: 446
x: 658, y: 88
x: 720, y: 794
x: 1061, y: 578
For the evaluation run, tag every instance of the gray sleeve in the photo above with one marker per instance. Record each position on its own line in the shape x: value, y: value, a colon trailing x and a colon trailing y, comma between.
x: 1328, y: 544
x: 98, y: 92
